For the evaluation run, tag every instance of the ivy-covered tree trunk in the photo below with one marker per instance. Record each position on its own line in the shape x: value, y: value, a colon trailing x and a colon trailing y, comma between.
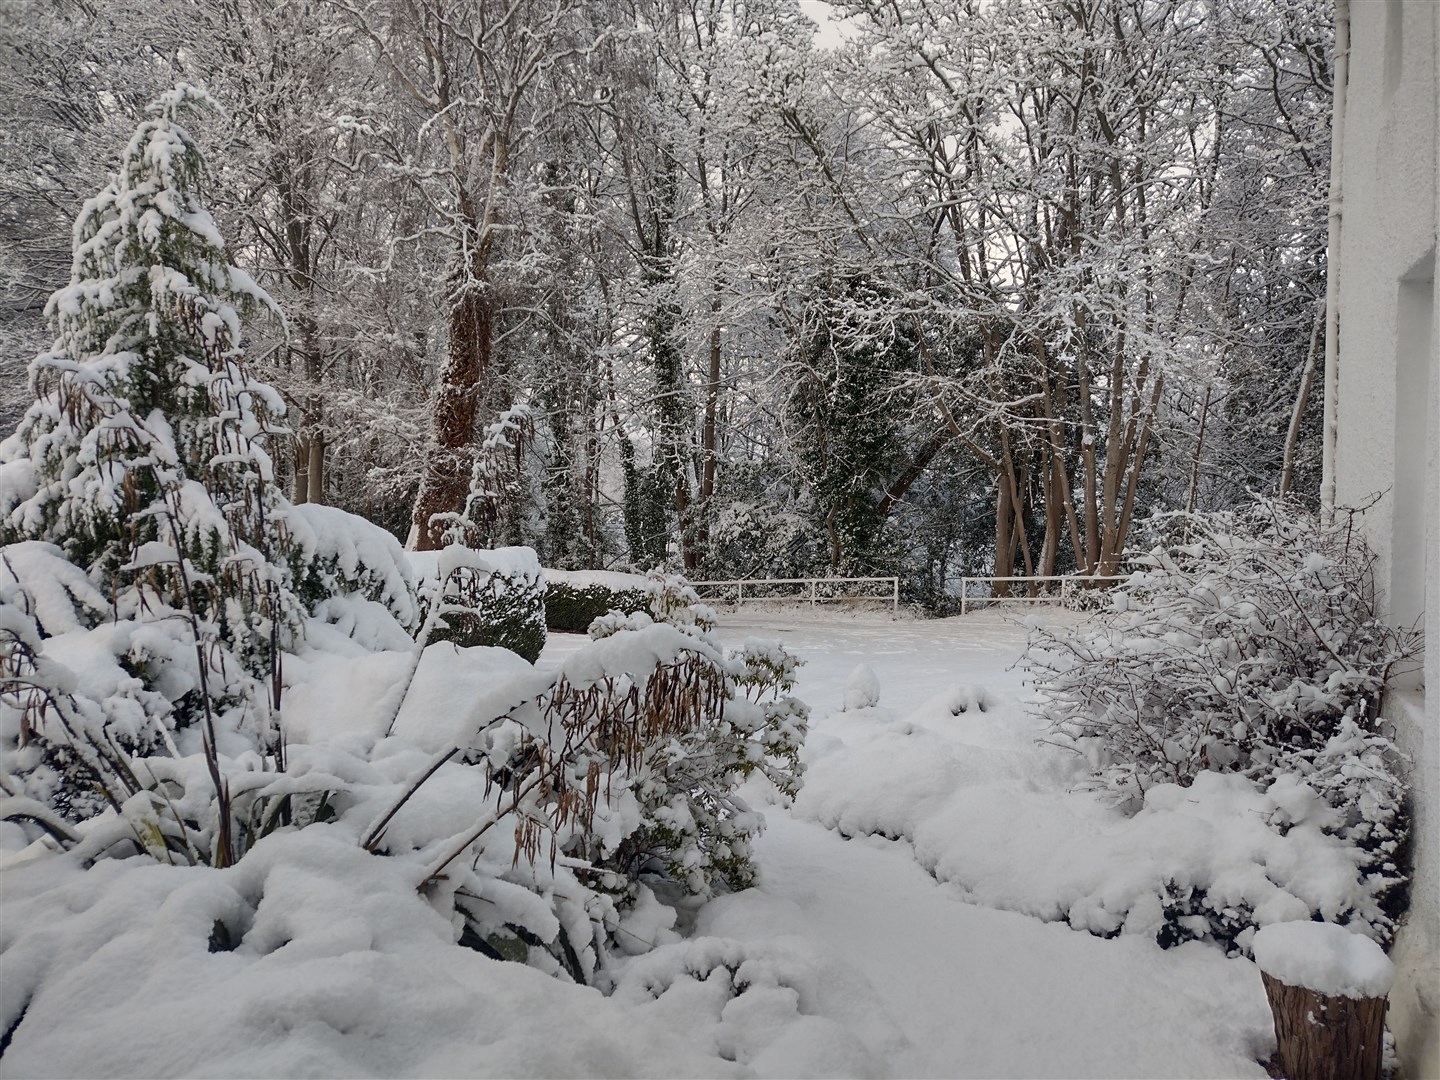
x: 845, y: 404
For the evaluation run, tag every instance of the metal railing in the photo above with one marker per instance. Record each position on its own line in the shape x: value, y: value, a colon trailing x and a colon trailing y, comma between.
x: 813, y: 595
x: 1069, y: 583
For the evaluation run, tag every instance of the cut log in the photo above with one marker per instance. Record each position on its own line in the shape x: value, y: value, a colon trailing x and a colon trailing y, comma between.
x: 1325, y: 1037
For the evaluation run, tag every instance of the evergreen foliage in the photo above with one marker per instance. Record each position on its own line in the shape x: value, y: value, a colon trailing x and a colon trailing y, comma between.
x: 644, y: 508
x: 504, y: 610
x: 142, y: 469
x: 571, y: 608
x: 144, y: 456
x: 844, y: 401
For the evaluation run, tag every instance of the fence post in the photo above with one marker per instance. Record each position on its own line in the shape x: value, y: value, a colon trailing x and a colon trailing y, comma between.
x: 895, y: 607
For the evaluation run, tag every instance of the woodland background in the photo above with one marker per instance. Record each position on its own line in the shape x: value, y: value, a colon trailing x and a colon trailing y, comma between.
x: 948, y: 288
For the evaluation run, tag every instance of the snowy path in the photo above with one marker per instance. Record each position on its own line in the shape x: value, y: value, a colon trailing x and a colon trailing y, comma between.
x: 983, y: 993
x: 965, y: 990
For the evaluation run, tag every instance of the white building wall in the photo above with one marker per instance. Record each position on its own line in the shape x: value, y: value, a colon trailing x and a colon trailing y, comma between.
x: 1387, y: 413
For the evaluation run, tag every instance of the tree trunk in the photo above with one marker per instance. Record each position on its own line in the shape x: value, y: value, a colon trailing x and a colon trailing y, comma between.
x: 1326, y: 1038
x: 901, y: 485
x: 446, y: 480
x: 301, y: 491
x: 1054, y: 515
x: 1111, y: 561
x: 1059, y: 492
x: 709, y: 436
x: 315, y: 473
x: 1199, y: 445
x: 1087, y: 453
x: 837, y: 554
x: 1292, y: 437
x: 1004, y: 560
x: 1019, y: 540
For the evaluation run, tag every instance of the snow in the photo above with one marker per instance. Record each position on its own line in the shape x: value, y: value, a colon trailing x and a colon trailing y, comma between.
x: 606, y: 579
x: 456, y: 689
x: 343, y: 971
x: 361, y: 552
x: 631, y: 655
x: 517, y: 563
x: 56, y: 585
x: 893, y: 932
x: 1325, y: 958
x: 926, y: 976
x: 862, y: 689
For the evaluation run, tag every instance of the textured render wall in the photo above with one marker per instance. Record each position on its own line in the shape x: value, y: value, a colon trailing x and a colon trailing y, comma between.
x: 1387, y: 415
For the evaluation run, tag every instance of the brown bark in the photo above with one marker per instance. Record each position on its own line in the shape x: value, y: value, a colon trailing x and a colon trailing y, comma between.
x: 1087, y: 451
x: 1004, y: 561
x: 1326, y: 1038
x: 1059, y: 494
x: 1054, y: 516
x: 1111, y: 562
x: 447, y: 470
x: 709, y: 451
x: 836, y: 552
x: 1019, y: 538
x: 912, y: 472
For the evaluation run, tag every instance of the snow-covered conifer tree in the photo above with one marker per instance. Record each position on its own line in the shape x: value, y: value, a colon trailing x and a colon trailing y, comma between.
x: 143, y: 457
x: 142, y: 461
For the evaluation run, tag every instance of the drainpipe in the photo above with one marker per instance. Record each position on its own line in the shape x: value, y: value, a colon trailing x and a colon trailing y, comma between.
x: 1332, y: 256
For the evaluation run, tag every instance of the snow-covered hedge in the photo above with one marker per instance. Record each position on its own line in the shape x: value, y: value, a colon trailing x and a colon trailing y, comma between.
x: 1247, y: 643
x: 576, y: 598
x: 343, y: 557
x: 492, y: 597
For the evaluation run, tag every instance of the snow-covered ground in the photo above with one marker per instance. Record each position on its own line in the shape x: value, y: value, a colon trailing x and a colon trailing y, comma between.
x: 928, y: 983
x: 938, y: 951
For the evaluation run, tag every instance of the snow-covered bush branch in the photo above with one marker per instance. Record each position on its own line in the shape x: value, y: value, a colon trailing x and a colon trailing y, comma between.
x: 621, y: 767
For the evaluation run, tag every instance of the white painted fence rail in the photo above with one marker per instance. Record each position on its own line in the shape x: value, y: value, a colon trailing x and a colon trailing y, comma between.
x: 813, y: 595
x: 1069, y: 583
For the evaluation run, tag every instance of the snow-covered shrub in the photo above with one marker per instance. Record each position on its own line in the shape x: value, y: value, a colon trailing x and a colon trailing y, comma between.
x: 488, y: 598
x: 623, y: 763
x: 1076, y: 597
x: 341, y: 556
x: 575, y: 599
x: 154, y: 578
x: 862, y: 689
x: 1246, y: 642
x: 694, y: 827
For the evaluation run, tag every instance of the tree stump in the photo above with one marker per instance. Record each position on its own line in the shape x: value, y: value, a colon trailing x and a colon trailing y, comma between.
x: 1327, y: 987
x: 1326, y: 1037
